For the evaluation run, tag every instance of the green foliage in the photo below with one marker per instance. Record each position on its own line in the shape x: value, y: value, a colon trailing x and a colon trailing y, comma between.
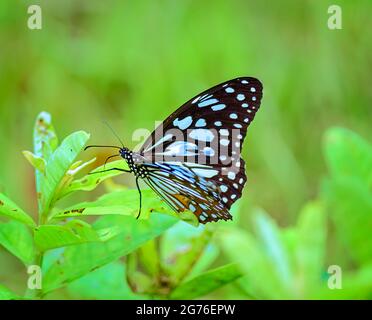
x: 10, y: 210
x: 348, y: 191
x: 116, y: 256
x: 17, y: 239
x: 6, y: 294
x: 207, y: 282
x: 78, y: 69
x: 293, y: 261
x: 98, y: 285
x: 69, y: 248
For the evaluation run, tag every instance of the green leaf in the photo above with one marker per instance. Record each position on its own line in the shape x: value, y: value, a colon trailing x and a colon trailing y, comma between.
x: 348, y: 192
x: 81, y: 259
x: 98, y: 285
x: 45, y: 142
x: 149, y: 257
x: 120, y: 202
x: 269, y: 235
x: 310, y: 248
x: 6, y: 294
x: 69, y: 177
x: 182, y: 246
x: 207, y: 282
x: 93, y: 179
x: 73, y: 232
x: 45, y: 138
x: 36, y: 161
x: 350, y: 207
x: 58, y: 164
x: 17, y: 239
x: 210, y: 253
x: 256, y: 264
x: 138, y: 280
x: 10, y: 210
x: 347, y: 154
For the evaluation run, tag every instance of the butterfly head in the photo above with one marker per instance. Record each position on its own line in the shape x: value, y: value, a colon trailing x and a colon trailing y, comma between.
x: 125, y: 153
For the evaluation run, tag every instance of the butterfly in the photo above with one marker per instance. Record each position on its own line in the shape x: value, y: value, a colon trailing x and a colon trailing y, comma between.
x: 192, y: 159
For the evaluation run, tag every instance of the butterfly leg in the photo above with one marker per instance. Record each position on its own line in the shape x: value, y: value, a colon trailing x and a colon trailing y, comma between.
x: 139, y: 190
x: 118, y: 169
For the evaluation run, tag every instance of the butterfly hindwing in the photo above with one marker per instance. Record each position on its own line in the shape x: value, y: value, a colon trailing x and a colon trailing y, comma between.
x: 182, y: 190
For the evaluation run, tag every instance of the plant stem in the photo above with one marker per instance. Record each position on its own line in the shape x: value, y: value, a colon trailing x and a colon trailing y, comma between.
x: 36, y: 293
x: 38, y: 261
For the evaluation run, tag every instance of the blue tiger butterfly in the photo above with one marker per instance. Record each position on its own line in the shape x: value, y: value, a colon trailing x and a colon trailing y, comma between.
x: 192, y: 160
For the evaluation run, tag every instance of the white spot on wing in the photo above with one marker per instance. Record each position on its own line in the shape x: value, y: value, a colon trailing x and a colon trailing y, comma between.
x: 223, y: 188
x: 202, y: 134
x: 208, y: 151
x: 180, y: 148
x: 165, y: 138
x: 224, y: 132
x: 184, y: 123
x: 200, y: 123
x: 224, y: 142
x: 207, y: 103
x: 231, y: 175
x: 240, y: 97
x: 218, y: 107
x: 196, y: 99
x: 205, y: 173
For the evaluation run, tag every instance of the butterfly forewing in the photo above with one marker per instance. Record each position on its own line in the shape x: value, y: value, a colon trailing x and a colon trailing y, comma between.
x: 204, y: 137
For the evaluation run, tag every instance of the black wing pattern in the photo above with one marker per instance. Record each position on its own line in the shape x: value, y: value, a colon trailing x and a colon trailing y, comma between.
x: 194, y: 157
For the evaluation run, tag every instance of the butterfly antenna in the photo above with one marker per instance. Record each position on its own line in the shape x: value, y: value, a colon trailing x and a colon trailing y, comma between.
x: 113, y: 131
x: 99, y: 146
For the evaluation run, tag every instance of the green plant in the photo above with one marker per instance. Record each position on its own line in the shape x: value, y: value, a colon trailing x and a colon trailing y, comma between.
x: 67, y: 246
x: 292, y: 262
x: 98, y: 249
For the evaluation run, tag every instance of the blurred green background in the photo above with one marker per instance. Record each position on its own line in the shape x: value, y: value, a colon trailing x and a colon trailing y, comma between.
x: 134, y: 62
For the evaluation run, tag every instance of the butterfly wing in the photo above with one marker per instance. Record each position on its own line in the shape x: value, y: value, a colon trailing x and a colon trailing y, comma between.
x: 182, y: 190
x: 208, y: 130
